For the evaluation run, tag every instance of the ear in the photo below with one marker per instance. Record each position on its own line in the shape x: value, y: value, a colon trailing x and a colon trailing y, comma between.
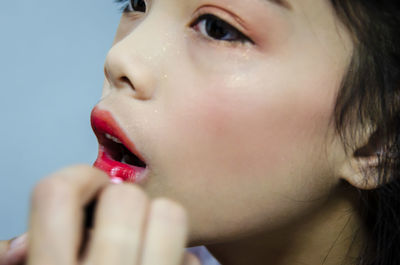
x: 361, y: 168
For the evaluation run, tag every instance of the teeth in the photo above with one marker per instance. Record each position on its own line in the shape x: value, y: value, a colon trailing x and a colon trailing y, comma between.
x: 112, y: 138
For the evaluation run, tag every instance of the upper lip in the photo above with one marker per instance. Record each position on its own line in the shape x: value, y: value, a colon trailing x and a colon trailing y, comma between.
x: 103, y: 123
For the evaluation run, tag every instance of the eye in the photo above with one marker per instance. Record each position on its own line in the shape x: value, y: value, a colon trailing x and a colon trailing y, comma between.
x: 127, y: 6
x: 215, y: 28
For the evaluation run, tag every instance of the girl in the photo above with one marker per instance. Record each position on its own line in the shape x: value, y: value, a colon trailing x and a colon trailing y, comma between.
x: 266, y: 130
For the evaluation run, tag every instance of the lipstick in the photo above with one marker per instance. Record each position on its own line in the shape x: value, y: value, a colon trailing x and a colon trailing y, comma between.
x: 117, y: 155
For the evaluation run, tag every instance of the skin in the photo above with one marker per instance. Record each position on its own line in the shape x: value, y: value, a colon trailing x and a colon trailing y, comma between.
x: 238, y: 136
x: 128, y: 227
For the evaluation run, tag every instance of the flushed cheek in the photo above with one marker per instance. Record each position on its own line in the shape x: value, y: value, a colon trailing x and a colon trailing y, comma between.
x: 258, y: 142
x: 239, y: 132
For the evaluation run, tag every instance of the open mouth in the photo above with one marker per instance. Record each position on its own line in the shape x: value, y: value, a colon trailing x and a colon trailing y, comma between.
x: 118, y: 151
x: 118, y: 156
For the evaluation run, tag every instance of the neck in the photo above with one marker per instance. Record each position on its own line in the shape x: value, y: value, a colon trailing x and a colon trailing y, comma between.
x: 332, y: 235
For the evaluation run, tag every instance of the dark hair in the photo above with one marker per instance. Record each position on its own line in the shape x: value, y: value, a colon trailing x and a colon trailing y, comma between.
x: 369, y: 101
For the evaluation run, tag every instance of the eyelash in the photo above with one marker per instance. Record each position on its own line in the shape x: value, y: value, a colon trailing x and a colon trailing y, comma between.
x: 203, y: 25
x: 124, y: 6
x: 204, y: 22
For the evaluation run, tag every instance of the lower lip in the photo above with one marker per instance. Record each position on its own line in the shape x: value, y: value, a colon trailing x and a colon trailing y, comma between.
x: 119, y: 172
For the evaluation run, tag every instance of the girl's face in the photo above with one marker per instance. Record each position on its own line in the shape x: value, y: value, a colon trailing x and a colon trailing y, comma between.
x: 230, y: 103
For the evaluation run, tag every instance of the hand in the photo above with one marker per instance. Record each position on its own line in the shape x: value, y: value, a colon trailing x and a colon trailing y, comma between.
x: 13, y: 251
x: 128, y: 228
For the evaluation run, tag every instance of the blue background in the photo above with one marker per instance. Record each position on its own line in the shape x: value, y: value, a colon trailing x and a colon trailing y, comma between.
x: 51, y: 70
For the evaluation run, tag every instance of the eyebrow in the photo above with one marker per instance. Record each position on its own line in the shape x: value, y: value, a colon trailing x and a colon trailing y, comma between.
x: 283, y: 3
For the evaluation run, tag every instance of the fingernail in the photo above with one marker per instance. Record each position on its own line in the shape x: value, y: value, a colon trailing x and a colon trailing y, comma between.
x: 18, y: 242
x: 16, y: 253
x: 116, y: 181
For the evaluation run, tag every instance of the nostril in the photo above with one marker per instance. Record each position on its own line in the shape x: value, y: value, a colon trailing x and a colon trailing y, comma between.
x: 139, y: 92
x: 126, y: 76
x: 125, y: 80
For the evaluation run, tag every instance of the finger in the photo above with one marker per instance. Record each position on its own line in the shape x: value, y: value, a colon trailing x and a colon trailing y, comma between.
x: 4, y: 245
x: 119, y: 226
x: 57, y: 213
x: 166, y: 233
x: 190, y: 259
x: 13, y: 252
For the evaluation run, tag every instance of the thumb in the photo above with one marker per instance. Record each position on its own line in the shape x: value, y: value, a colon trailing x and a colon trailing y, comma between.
x: 13, y: 251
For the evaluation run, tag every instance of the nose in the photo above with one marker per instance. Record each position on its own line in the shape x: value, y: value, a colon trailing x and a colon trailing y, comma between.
x: 126, y: 70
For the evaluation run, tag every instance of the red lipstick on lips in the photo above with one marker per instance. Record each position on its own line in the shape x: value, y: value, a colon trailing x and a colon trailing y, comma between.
x: 117, y: 156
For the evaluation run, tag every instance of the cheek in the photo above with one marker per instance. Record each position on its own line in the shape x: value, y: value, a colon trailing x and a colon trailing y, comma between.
x: 235, y: 128
x: 251, y: 147
x: 248, y: 144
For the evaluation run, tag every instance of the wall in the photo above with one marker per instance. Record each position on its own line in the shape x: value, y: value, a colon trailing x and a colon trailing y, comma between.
x: 51, y: 73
